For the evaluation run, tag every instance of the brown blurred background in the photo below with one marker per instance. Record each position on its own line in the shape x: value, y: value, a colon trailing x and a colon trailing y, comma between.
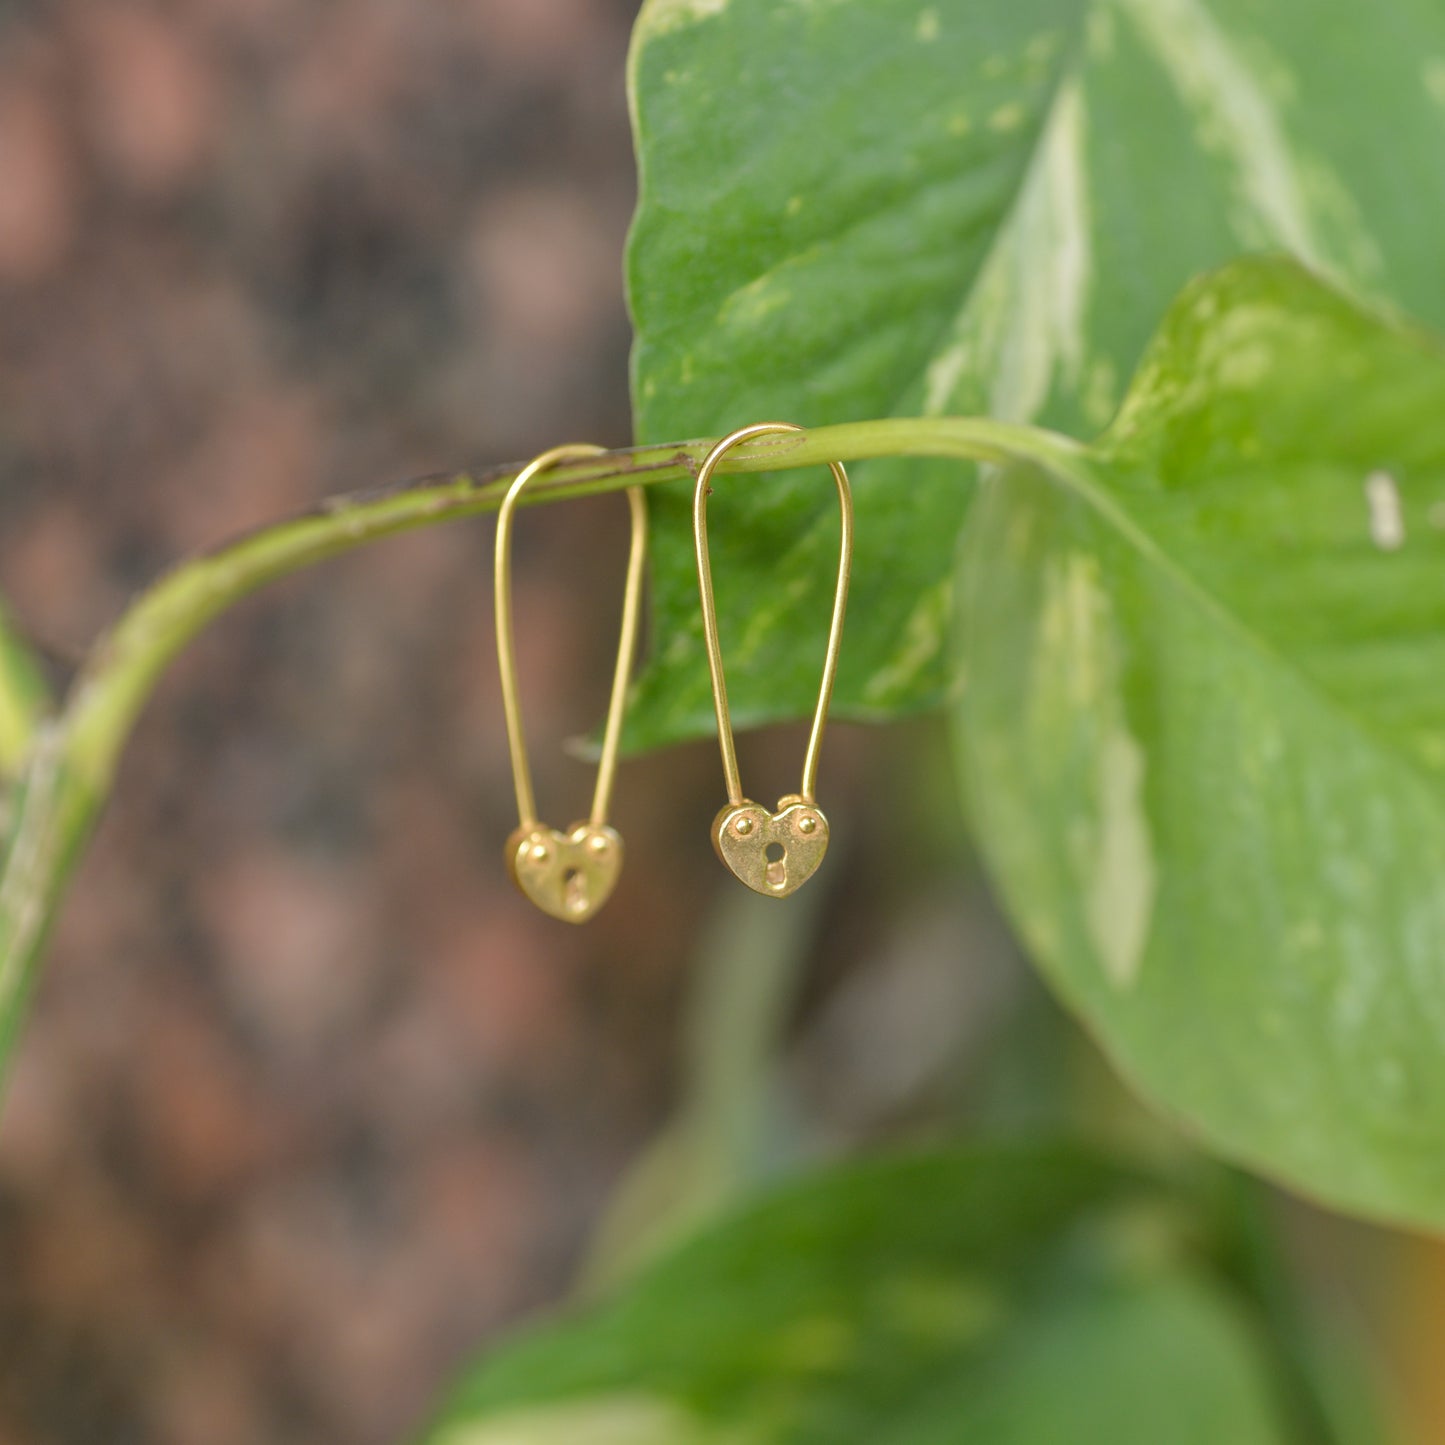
x: 311, y: 1105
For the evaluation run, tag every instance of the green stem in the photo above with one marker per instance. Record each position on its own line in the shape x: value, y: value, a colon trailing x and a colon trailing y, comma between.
x: 72, y: 760
x: 23, y: 699
x: 124, y: 666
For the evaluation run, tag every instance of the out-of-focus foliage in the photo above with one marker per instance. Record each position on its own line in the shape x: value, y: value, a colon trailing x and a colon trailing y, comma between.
x: 1008, y: 1295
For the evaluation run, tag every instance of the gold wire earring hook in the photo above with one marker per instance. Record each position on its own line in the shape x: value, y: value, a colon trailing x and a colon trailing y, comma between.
x: 773, y: 853
x: 568, y: 875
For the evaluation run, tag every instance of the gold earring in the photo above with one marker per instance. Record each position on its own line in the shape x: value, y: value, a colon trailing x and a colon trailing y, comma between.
x: 773, y: 853
x: 568, y: 875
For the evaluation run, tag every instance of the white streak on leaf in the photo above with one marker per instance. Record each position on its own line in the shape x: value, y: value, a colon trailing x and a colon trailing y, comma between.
x: 775, y: 611
x: 615, y: 1420
x: 1077, y: 692
x: 1237, y: 119
x: 660, y: 17
x: 1120, y: 900
x: 1007, y: 118
x: 1024, y: 321
x: 752, y: 304
x: 1433, y: 75
x: 1387, y: 518
x: 944, y: 373
x: 922, y: 634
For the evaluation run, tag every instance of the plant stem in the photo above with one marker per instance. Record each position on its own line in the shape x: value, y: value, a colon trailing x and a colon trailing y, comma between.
x: 23, y: 699
x: 125, y: 665
x: 71, y: 761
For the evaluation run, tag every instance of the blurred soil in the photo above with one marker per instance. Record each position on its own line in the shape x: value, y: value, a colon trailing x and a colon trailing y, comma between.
x: 310, y: 1103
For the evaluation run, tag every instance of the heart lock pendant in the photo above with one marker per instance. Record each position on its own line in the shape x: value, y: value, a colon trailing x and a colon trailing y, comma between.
x: 773, y: 853
x: 570, y: 874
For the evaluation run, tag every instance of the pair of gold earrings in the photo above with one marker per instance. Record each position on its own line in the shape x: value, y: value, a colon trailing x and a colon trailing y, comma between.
x: 570, y: 874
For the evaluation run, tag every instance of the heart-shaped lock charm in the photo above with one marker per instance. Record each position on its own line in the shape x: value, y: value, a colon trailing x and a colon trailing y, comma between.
x: 568, y: 875
x: 773, y: 853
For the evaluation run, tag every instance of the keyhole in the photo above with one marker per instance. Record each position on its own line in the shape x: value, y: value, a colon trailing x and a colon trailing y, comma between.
x: 574, y: 891
x: 777, y: 869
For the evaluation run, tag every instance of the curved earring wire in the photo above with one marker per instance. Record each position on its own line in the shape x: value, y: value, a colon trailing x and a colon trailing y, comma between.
x: 568, y: 876
x: 743, y: 833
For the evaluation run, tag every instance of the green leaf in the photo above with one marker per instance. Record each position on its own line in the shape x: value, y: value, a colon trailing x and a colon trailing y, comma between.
x: 1006, y: 1295
x: 1203, y: 730
x: 873, y: 208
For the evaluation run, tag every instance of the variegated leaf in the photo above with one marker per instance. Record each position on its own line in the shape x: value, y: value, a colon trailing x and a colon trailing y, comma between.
x: 864, y: 208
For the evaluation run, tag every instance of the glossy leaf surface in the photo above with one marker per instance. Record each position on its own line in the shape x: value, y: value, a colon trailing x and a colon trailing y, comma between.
x: 1203, y: 727
x: 868, y: 208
